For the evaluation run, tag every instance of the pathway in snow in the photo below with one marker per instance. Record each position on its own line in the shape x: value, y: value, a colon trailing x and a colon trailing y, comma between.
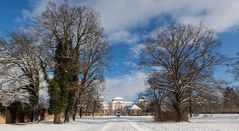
x: 117, y: 124
x: 105, y: 123
x: 224, y: 122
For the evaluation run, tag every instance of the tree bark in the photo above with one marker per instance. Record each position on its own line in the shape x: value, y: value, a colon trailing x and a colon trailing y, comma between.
x: 81, y: 112
x: 67, y: 114
x: 94, y: 108
x: 75, y: 108
x: 74, y: 114
x: 57, y: 118
x: 180, y: 112
x: 36, y: 111
x: 35, y: 114
x: 190, y: 107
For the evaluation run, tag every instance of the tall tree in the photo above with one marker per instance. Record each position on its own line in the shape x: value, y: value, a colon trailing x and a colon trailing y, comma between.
x: 68, y: 29
x: 185, y: 55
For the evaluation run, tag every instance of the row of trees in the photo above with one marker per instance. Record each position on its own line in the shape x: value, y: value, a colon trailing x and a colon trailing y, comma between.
x: 226, y: 101
x: 64, y: 51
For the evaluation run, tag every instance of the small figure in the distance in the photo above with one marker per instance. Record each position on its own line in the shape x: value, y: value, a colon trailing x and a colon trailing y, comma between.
x: 118, y: 114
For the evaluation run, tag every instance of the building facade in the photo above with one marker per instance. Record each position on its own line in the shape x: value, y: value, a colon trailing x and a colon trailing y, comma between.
x: 120, y: 105
x: 135, y: 111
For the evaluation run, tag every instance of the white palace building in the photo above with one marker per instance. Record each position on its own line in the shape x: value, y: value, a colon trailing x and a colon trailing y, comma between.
x: 126, y: 107
x: 120, y: 105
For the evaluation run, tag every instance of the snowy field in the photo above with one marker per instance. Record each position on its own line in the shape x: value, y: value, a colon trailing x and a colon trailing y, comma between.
x: 228, y: 122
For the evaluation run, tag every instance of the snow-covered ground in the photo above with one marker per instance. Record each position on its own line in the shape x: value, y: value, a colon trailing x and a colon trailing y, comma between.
x: 219, y: 122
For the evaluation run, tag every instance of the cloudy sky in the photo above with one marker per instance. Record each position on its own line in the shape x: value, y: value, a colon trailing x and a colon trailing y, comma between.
x: 128, y: 22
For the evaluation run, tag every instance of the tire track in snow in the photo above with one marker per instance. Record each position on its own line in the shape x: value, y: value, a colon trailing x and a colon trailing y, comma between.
x: 140, y: 127
x: 118, y: 126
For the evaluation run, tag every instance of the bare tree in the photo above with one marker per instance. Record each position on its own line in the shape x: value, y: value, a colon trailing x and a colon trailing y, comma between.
x: 93, y: 61
x: 21, y: 67
x: 185, y: 55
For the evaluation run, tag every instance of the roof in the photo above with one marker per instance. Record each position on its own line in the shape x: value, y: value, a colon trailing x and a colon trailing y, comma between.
x: 129, y: 103
x: 135, y: 107
x: 141, y: 100
x: 118, y: 99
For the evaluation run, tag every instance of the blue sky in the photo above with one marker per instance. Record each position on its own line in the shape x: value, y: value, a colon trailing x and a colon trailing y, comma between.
x: 9, y: 12
x: 128, y: 22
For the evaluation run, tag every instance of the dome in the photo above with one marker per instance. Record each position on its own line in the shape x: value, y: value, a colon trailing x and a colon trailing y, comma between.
x: 118, y: 99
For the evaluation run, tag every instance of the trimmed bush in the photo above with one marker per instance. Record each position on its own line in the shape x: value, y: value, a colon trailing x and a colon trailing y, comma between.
x: 169, y: 116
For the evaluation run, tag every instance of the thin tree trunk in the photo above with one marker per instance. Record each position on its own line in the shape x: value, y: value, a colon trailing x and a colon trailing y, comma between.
x: 74, y: 114
x: 190, y: 103
x: 190, y: 107
x: 81, y: 112
x: 94, y: 107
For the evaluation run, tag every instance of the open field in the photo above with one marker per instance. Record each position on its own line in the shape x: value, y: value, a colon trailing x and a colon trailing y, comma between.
x: 219, y: 122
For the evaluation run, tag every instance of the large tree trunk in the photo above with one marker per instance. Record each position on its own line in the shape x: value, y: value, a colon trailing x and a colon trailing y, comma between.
x: 35, y: 114
x: 67, y: 115
x: 42, y: 114
x: 179, y: 108
x: 70, y: 106
x: 180, y: 112
x: 75, y: 108
x: 57, y: 118
x: 13, y: 111
x: 159, y: 111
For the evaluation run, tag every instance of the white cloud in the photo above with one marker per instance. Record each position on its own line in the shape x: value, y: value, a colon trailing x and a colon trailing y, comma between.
x: 119, y: 16
x: 122, y: 36
x: 126, y: 85
x: 130, y: 64
x: 137, y: 49
x: 125, y: 14
x: 217, y: 14
x: 38, y: 6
